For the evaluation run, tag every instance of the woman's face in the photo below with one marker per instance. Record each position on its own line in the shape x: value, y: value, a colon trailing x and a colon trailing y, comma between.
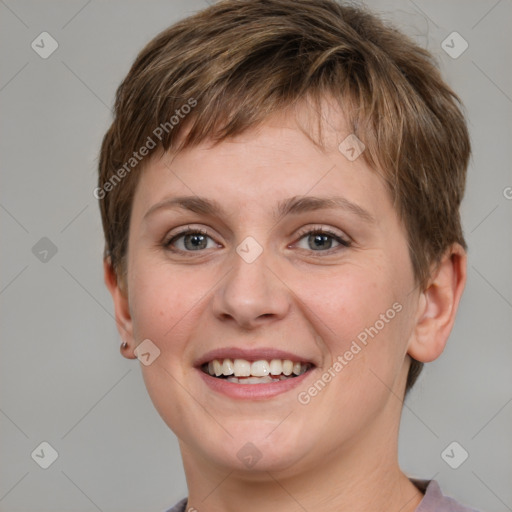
x: 268, y: 272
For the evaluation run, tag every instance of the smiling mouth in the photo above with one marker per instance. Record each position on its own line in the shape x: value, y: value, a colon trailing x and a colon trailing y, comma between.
x: 241, y: 371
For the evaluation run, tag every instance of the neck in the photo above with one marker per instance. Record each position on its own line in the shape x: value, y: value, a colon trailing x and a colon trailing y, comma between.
x: 365, y: 476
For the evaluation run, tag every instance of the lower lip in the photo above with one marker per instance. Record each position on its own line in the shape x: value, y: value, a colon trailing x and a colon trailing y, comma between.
x: 253, y: 391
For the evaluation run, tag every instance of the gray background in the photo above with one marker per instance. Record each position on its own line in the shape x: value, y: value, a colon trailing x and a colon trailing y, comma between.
x: 63, y: 380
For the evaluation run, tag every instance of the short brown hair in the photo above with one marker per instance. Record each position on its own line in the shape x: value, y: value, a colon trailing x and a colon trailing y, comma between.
x: 243, y: 60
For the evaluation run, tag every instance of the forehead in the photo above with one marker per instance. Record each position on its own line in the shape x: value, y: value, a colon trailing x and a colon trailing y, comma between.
x: 265, y: 182
x: 260, y: 168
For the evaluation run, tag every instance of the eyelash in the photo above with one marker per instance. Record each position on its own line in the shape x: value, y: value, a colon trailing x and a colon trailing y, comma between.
x: 317, y: 230
x: 196, y: 231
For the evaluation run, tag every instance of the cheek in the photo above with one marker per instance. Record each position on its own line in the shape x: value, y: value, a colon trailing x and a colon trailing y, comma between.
x: 163, y: 310
x: 161, y: 290
x: 159, y: 304
x: 361, y: 319
x: 349, y: 302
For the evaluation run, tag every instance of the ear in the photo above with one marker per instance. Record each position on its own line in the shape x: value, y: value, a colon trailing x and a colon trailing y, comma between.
x: 437, y: 306
x: 121, y: 308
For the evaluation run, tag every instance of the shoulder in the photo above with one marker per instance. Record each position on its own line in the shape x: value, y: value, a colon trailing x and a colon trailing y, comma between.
x: 179, y: 507
x: 435, y: 501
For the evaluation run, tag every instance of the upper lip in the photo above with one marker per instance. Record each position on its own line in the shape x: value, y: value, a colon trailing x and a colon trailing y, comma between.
x: 255, y: 354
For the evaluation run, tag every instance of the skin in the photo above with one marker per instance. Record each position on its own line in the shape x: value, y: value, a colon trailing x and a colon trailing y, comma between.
x: 338, y: 452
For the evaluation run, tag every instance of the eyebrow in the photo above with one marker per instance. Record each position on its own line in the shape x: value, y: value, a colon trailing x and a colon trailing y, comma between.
x: 291, y: 206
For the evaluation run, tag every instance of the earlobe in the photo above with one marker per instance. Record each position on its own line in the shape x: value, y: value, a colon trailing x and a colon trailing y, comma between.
x: 437, y: 306
x: 121, y: 309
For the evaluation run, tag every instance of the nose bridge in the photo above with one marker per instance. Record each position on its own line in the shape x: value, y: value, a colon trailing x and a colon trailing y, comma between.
x: 250, y: 292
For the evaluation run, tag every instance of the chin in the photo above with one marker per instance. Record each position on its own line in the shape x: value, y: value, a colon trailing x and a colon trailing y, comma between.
x: 254, y: 461
x: 256, y: 448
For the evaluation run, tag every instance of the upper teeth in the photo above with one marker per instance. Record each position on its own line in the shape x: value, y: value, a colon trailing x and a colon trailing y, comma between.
x: 261, y: 368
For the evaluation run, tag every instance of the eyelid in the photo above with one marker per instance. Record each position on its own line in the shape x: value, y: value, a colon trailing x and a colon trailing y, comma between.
x: 343, y: 238
x: 185, y: 231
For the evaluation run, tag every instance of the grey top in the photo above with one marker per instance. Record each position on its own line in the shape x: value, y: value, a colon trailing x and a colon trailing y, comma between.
x: 433, y: 501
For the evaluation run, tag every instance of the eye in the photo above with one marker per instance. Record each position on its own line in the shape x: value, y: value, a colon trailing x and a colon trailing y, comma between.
x: 190, y: 240
x: 321, y: 240
x: 195, y: 239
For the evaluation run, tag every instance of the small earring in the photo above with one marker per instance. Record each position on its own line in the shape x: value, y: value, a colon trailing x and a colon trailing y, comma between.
x: 124, y: 345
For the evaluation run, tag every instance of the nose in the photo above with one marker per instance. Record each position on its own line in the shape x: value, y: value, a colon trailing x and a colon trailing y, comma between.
x: 251, y: 294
